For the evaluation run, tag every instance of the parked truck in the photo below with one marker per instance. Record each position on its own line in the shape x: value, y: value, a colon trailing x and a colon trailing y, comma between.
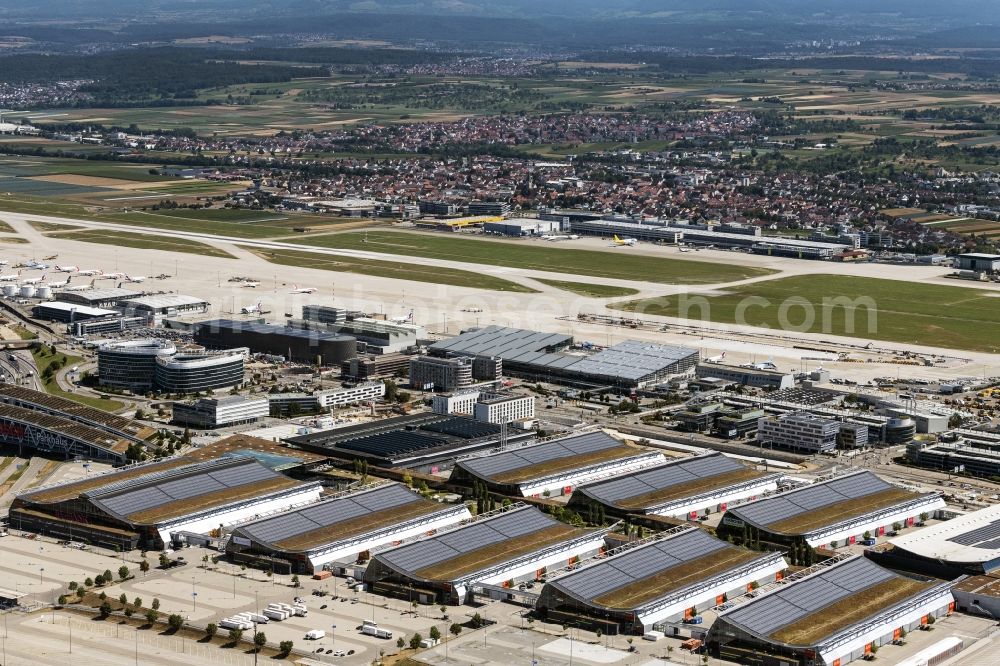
x: 315, y: 634
x: 372, y: 629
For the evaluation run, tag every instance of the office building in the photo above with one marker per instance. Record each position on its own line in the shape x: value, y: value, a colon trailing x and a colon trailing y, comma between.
x: 220, y: 412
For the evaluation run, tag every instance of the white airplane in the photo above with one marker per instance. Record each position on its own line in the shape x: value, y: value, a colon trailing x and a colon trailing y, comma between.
x: 59, y: 285
x: 136, y: 278
x: 4, y: 262
x: 10, y: 277
x: 716, y: 359
x: 403, y: 320
x: 113, y: 276
x: 302, y: 290
x: 89, y: 271
x: 250, y: 285
x: 685, y: 249
x: 67, y: 269
x: 80, y: 287
x: 619, y: 242
x: 37, y: 265
x: 252, y: 309
x: 34, y: 280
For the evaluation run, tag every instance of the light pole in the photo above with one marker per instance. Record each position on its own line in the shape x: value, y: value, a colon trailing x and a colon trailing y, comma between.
x: 333, y: 635
x: 194, y: 596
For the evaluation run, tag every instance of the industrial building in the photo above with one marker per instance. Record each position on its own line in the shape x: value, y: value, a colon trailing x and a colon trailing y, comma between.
x: 140, y: 506
x: 292, y: 343
x: 343, y: 528
x: 836, y: 512
x: 965, y: 455
x: 978, y: 595
x: 554, y: 467
x: 107, y: 325
x: 753, y: 377
x: 979, y: 262
x: 158, y: 306
x: 670, y: 576
x: 378, y: 336
x: 494, y: 549
x: 418, y: 441
x: 211, y: 413
x: 57, y: 426
x: 968, y: 545
x: 542, y: 357
x: 283, y: 404
x: 831, y: 614
x: 807, y: 433
x: 521, y: 226
x: 99, y: 297
x: 70, y: 312
x: 684, y: 488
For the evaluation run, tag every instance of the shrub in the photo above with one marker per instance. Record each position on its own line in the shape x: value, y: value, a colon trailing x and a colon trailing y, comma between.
x: 415, y: 640
x: 175, y: 622
x: 284, y: 647
x: 210, y: 630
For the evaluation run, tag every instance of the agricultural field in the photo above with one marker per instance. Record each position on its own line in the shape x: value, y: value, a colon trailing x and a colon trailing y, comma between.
x: 140, y: 241
x: 389, y: 269
x: 890, y: 310
x: 530, y: 256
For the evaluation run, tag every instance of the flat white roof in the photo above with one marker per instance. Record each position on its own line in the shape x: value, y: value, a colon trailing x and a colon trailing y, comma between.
x: 974, y: 537
x: 80, y: 309
x: 166, y: 301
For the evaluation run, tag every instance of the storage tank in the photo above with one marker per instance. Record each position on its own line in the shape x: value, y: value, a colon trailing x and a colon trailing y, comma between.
x: 44, y: 292
x: 10, y: 290
x: 28, y: 291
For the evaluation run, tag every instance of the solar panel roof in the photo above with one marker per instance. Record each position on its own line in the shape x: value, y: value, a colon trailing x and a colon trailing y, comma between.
x: 986, y: 537
x: 327, y: 513
x: 658, y: 478
x: 774, y: 509
x: 767, y: 614
x: 593, y: 581
x: 443, y: 547
x: 532, y: 455
x: 147, y: 492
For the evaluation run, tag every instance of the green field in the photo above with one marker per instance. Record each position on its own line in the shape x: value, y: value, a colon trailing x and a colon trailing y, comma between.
x: 591, y: 290
x: 141, y: 241
x: 44, y: 359
x: 620, y: 264
x: 44, y: 227
x: 892, y: 310
x: 389, y: 269
x: 6, y: 228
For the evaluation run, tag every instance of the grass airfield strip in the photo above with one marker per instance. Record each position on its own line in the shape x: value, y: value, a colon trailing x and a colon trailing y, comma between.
x: 388, y: 269
x: 617, y: 264
x: 141, y: 241
x: 908, y: 312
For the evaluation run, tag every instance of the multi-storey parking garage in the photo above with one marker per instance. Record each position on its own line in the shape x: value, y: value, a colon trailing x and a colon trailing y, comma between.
x: 669, y: 576
x: 344, y: 527
x: 828, y: 615
x: 140, y: 506
x: 680, y: 488
x: 499, y: 549
x: 555, y: 467
x: 835, y: 512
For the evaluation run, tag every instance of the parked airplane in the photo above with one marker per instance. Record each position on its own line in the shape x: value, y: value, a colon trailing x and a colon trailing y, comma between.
x: 89, y: 271
x: 10, y: 277
x: 135, y: 278
x: 52, y: 258
x: 34, y: 280
x: 67, y: 269
x: 59, y: 285
x: 685, y: 249
x: 302, y: 290
x: 37, y: 265
x: 252, y: 309
x: 250, y: 285
x: 112, y: 276
x: 625, y: 241
x: 403, y: 320
x: 716, y: 359
x: 80, y: 287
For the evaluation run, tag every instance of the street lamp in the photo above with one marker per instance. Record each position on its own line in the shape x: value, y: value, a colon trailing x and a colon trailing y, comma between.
x: 333, y: 635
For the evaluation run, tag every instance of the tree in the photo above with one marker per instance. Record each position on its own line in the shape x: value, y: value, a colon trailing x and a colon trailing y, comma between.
x: 123, y: 599
x: 259, y: 640
x: 144, y: 566
x: 108, y: 576
x: 435, y: 634
x: 235, y: 635
x: 151, y: 616
x: 400, y: 643
x: 164, y: 560
x: 211, y: 629
x: 477, y: 621
x: 123, y: 572
x: 128, y: 612
x: 99, y: 580
x: 415, y: 641
x: 175, y: 622
x: 156, y: 604
x: 285, y: 647
x: 137, y: 602
x: 455, y: 629
x: 295, y: 580
x: 89, y: 582
x: 105, y: 610
x: 73, y: 585
x: 62, y: 600
x: 80, y: 592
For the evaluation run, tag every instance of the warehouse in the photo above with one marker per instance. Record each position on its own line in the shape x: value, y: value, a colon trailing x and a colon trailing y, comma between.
x: 833, y: 613
x: 757, y: 378
x: 681, y: 488
x: 670, y: 576
x: 106, y: 297
x: 342, y: 528
x: 69, y: 312
x: 836, y: 512
x: 158, y: 306
x: 293, y: 343
x: 966, y: 545
x: 139, y: 507
x: 542, y: 357
x: 555, y: 467
x: 499, y: 548
x: 979, y: 262
x: 426, y: 442
x: 522, y: 226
